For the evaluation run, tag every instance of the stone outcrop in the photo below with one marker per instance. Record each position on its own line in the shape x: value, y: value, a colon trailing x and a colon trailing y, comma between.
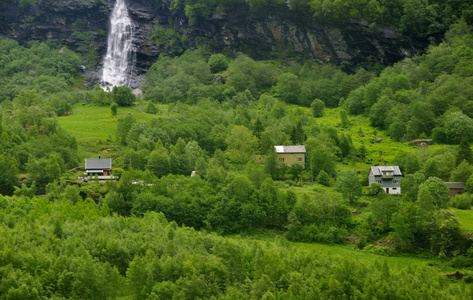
x: 274, y: 32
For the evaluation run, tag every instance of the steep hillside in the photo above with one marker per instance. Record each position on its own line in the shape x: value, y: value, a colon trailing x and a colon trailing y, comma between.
x: 276, y: 31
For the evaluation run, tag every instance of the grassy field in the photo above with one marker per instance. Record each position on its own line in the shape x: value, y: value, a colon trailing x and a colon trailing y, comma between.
x: 95, y: 128
x: 466, y: 219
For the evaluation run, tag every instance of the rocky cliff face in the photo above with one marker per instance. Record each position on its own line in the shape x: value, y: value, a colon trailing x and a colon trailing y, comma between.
x: 266, y: 33
x: 274, y: 32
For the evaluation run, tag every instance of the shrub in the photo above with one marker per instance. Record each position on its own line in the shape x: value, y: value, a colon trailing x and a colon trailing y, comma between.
x: 461, y: 201
x: 151, y: 108
x: 379, y: 250
x: 123, y: 96
x: 317, y: 108
x: 218, y: 63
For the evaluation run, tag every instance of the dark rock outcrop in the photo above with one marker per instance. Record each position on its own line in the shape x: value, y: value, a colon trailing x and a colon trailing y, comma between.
x: 274, y: 32
x: 265, y: 34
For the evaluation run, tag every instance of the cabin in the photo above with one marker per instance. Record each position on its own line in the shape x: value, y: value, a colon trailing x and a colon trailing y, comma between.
x: 290, y: 155
x: 388, y: 176
x: 456, y: 188
x: 99, y: 168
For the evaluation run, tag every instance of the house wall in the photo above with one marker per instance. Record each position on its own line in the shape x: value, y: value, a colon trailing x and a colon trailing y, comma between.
x: 371, y: 178
x: 259, y: 159
x: 388, y: 185
x: 454, y: 192
x: 292, y: 158
x: 392, y: 190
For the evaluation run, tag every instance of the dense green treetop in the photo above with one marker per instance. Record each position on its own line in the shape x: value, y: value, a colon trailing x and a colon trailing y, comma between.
x: 46, y: 69
x: 66, y: 250
x: 426, y: 96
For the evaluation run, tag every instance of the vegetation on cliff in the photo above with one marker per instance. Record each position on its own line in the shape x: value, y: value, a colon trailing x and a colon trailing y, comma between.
x: 416, y: 18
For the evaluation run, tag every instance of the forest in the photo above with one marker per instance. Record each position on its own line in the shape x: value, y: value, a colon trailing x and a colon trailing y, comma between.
x: 239, y: 228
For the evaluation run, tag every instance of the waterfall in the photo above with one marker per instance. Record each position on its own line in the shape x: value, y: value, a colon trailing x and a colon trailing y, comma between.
x: 119, y: 62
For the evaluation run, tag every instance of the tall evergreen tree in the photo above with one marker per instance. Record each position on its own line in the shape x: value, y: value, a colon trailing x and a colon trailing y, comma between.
x: 464, y: 152
x: 297, y: 134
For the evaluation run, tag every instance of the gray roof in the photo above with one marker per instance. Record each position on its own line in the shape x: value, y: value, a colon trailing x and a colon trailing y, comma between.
x: 290, y: 149
x: 455, y: 185
x: 98, y: 163
x: 378, y: 170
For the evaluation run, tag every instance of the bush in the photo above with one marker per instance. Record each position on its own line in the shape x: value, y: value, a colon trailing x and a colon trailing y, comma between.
x: 315, y: 233
x: 114, y: 108
x: 317, y: 108
x: 218, y: 63
x: 386, y: 251
x: 324, y: 179
x: 151, y: 108
x: 461, y: 201
x: 123, y: 96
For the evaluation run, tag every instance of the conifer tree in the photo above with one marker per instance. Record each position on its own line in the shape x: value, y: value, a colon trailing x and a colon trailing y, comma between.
x: 464, y: 152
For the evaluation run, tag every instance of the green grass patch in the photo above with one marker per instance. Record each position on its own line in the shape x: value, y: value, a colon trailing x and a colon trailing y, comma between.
x: 422, y: 259
x: 95, y: 128
x: 466, y: 219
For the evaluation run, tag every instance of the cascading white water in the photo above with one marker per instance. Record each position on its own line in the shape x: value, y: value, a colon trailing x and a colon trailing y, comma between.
x: 118, y: 63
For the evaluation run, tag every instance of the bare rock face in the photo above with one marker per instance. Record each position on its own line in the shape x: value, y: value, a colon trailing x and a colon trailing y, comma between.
x: 50, y: 20
x: 271, y: 33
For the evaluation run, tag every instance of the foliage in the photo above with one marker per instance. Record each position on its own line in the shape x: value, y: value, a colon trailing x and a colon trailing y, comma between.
x: 100, y: 257
x: 218, y: 63
x: 321, y: 219
x: 40, y: 67
x: 394, y: 101
x: 462, y: 201
x: 114, y: 108
x: 241, y: 144
x: 123, y: 96
x: 317, y: 106
x: 437, y: 189
x: 464, y: 152
x: 375, y: 189
x: 324, y: 179
x: 349, y: 185
x: 462, y: 172
x: 213, y: 124
x: 168, y: 38
x: 288, y: 88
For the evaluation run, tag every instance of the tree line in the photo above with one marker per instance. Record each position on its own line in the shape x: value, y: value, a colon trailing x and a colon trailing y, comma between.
x: 66, y: 250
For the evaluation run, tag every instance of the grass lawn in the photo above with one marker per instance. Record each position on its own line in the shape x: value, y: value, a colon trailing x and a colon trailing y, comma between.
x: 95, y: 128
x: 466, y: 219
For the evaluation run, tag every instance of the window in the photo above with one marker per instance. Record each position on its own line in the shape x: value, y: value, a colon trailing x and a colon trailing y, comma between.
x: 378, y: 181
x: 281, y: 159
x: 298, y: 159
x: 395, y: 181
x: 394, y: 189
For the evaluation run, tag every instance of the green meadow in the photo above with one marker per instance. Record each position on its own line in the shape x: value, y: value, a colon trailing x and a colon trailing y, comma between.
x: 466, y: 219
x: 95, y: 128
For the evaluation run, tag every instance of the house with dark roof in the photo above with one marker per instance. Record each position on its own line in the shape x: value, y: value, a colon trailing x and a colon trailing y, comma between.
x: 99, y: 168
x: 456, y: 188
x: 291, y: 154
x: 388, y: 176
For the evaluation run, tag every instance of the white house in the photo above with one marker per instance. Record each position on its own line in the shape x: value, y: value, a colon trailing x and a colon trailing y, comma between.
x: 388, y: 176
